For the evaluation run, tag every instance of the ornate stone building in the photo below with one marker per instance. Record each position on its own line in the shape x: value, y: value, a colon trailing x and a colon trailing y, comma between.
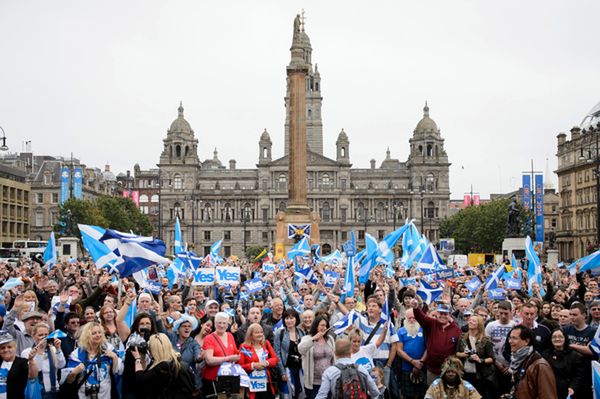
x: 577, y: 187
x: 239, y: 205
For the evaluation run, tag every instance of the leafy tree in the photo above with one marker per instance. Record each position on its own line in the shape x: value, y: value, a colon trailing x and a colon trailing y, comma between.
x: 481, y: 228
x: 110, y: 212
x: 253, y: 251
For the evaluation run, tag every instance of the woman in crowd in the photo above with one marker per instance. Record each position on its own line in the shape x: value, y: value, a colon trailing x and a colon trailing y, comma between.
x: 206, y: 327
x: 286, y: 347
x: 258, y: 358
x: 13, y: 369
x: 219, y: 347
x: 185, y: 345
x: 317, y: 350
x: 363, y: 354
x: 566, y: 364
x: 94, y: 364
x: 307, y: 318
x: 142, y: 328
x: 160, y: 379
x: 108, y: 317
x: 477, y: 353
x: 45, y: 359
x: 89, y: 315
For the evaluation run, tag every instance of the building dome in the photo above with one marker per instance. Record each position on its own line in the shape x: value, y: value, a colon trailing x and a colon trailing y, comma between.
x: 426, y: 124
x: 265, y: 136
x: 342, y: 136
x: 592, y: 119
x: 180, y: 125
x: 108, y: 175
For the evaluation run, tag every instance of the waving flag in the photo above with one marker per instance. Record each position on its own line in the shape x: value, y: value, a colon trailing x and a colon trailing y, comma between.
x: 590, y: 262
x: 595, y: 344
x: 428, y: 293
x: 534, y: 271
x: 12, y: 283
x: 369, y: 261
x: 596, y: 379
x: 429, y: 260
x: 385, y: 311
x: 50, y: 256
x: 56, y: 334
x: 306, y: 273
x: 134, y: 252
x: 348, y: 288
x: 214, y: 257
x: 100, y: 253
x: 316, y: 251
x: 345, y: 322
x: 334, y: 259
x: 386, y: 246
x: 301, y: 248
x: 418, y: 252
x: 189, y: 259
x: 177, y: 242
x: 493, y: 279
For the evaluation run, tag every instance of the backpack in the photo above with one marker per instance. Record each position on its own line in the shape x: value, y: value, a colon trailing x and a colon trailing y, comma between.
x: 351, y: 384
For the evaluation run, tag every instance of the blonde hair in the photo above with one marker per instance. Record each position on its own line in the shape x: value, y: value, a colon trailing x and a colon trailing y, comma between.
x: 162, y: 350
x: 379, y: 373
x: 36, y: 327
x: 480, y: 326
x: 253, y: 327
x: 355, y: 333
x: 85, y: 335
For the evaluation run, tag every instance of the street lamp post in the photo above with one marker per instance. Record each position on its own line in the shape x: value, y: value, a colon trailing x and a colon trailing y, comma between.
x: 3, y: 147
x: 192, y: 203
x: 596, y: 160
x: 422, y: 193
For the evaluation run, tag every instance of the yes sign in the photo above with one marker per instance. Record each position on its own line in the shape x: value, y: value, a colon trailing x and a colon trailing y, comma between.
x: 204, y: 276
x: 228, y: 275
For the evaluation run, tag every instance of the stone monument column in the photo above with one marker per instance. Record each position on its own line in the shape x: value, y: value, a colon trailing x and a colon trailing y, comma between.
x: 297, y: 211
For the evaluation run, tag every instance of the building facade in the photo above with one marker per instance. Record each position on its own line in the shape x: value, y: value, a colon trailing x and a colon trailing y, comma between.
x: 214, y: 201
x: 14, y: 210
x: 578, y: 159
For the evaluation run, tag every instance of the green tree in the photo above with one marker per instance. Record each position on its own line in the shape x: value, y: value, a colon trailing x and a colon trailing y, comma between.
x: 480, y: 228
x: 82, y: 212
x: 253, y: 251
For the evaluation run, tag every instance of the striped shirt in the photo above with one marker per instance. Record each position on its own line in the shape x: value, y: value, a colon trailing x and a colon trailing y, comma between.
x: 383, y: 352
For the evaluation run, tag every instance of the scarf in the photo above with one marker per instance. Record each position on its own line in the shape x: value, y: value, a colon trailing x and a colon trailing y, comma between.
x: 518, y: 357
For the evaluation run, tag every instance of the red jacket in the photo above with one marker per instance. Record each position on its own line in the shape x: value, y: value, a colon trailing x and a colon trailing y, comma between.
x: 440, y: 342
x: 246, y: 362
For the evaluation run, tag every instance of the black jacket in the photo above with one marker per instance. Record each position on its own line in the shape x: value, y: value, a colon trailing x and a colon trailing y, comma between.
x: 16, y: 381
x: 568, y: 370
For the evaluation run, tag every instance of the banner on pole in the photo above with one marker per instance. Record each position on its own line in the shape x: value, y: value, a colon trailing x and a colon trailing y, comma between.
x: 78, y: 183
x: 65, y: 182
x: 527, y: 192
x: 539, y: 208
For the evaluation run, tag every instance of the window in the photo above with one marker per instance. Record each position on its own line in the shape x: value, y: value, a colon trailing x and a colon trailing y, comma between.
x: 344, y: 214
x: 206, y: 251
x: 144, y: 209
x: 265, y: 236
x: 207, y: 213
x: 227, y: 212
x: 282, y: 206
x: 39, y: 198
x: 553, y: 223
x: 227, y: 251
x: 227, y: 235
x: 326, y: 212
x: 143, y: 198
x: 154, y: 198
x: 430, y: 211
x: 39, y: 218
x: 361, y: 234
x: 55, y: 198
x: 207, y: 237
x: 343, y: 184
x: 380, y: 234
x: 247, y: 235
x: 265, y: 214
x: 178, y: 182
x: 47, y: 179
x: 380, y: 212
x: 344, y: 235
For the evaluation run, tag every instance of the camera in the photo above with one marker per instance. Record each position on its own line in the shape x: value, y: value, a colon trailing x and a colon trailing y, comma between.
x: 142, y: 347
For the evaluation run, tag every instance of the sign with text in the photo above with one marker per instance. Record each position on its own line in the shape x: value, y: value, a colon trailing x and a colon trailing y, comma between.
x: 204, y: 276
x: 473, y: 284
x: 513, y: 283
x: 268, y: 268
x: 253, y: 285
x: 496, y: 293
x: 227, y: 275
x: 330, y: 278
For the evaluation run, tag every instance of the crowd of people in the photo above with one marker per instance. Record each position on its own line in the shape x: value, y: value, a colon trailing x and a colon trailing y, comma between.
x: 77, y: 331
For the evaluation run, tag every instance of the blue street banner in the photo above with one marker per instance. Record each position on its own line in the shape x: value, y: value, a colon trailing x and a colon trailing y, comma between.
x: 527, y: 192
x: 253, y: 285
x: 78, y: 183
x: 65, y: 182
x: 539, y: 208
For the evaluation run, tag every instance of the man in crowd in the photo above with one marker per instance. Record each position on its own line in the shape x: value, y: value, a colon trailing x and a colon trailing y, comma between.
x: 580, y: 335
x: 411, y: 349
x: 441, y: 337
x: 498, y: 330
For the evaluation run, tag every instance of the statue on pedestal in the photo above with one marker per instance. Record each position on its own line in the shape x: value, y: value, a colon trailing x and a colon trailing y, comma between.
x: 513, y: 228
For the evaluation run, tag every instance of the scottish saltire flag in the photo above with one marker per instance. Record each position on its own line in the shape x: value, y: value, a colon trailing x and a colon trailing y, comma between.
x: 590, y: 262
x: 189, y: 259
x: 386, y: 246
x: 428, y: 293
x: 295, y: 230
x: 177, y: 242
x: 134, y: 252
x: 345, y: 322
x: 348, y: 288
x: 534, y: 271
x: 473, y: 284
x: 306, y: 273
x: 493, y: 279
x: 56, y: 334
x: 214, y: 257
x: 316, y: 251
x: 50, y: 257
x: 334, y: 259
x: 301, y: 248
x: 385, y: 311
x: 419, y: 251
x: 131, y: 313
x: 278, y: 325
x: 369, y: 261
x: 12, y: 283
x: 595, y: 344
x: 174, y: 272
x: 596, y: 379
x: 429, y: 260
x: 100, y: 253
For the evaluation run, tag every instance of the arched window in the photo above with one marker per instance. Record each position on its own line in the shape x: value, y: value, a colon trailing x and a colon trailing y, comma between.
x: 380, y: 212
x: 178, y: 151
x: 420, y: 150
x: 282, y: 178
x: 429, y: 150
x: 247, y: 212
x: 430, y: 212
x: 154, y: 198
x: 227, y: 212
x: 282, y: 206
x: 187, y: 150
x: 343, y: 152
x: 282, y: 182
x: 207, y: 212
x: 360, y: 211
x: 326, y: 212
x: 310, y: 114
x: 178, y: 182
x: 178, y: 210
x: 143, y: 198
x: 265, y: 152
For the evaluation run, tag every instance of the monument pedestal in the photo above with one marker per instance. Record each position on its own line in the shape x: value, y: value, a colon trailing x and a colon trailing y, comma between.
x: 552, y: 258
x: 513, y: 244
x: 297, y: 216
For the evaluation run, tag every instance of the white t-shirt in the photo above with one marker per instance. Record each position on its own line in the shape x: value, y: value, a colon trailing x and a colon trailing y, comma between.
x: 43, y: 365
x: 498, y: 333
x: 364, y: 356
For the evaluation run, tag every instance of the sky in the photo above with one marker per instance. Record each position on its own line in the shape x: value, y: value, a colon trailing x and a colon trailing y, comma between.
x: 103, y: 79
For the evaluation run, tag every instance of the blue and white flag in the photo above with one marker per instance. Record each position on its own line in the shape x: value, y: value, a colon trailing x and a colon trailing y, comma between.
x: 345, y: 322
x: 429, y: 260
x: 596, y: 379
x: 296, y: 230
x: 385, y: 311
x: 177, y: 242
x: 100, y: 253
x: 189, y: 259
x: 254, y: 285
x: 386, y: 246
x: 473, y: 284
x: 348, y: 288
x: 134, y: 252
x: 493, y: 279
x: 278, y: 325
x: 333, y: 259
x: 301, y: 248
x: 428, y: 293
x: 131, y: 313
x: 534, y: 271
x: 12, y: 283
x: 316, y: 251
x: 50, y: 257
x: 306, y: 273
x: 56, y: 334
x: 330, y: 278
x: 590, y: 262
x: 595, y: 344
x: 408, y: 281
x: 369, y: 261
x: 496, y: 293
x: 214, y: 253
x: 513, y: 283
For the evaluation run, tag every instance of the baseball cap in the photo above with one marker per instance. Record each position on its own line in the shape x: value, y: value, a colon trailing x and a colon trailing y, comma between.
x: 5, y: 337
x: 443, y: 308
x: 210, y: 302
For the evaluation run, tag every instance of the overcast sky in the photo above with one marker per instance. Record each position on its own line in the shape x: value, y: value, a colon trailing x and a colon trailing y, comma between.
x: 103, y: 79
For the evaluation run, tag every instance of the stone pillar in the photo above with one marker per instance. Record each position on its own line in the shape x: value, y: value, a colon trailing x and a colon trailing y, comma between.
x: 297, y: 138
